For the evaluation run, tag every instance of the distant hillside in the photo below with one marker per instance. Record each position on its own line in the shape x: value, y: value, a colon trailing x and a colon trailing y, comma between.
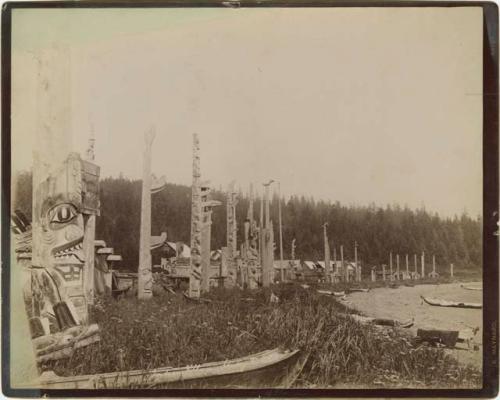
x: 377, y: 230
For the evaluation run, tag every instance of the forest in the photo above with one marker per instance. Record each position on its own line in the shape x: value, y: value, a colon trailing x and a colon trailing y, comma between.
x: 377, y: 230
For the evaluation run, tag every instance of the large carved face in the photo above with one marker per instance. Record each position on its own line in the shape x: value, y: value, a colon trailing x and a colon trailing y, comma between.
x: 58, y: 217
x: 62, y: 232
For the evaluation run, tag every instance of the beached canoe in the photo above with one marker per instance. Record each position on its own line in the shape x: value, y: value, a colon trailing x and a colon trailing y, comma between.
x: 268, y: 369
x: 331, y: 293
x: 351, y: 290
x: 478, y: 288
x: 446, y: 303
x: 381, y: 321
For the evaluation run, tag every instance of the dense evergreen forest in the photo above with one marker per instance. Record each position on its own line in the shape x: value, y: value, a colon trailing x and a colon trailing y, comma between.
x: 378, y: 230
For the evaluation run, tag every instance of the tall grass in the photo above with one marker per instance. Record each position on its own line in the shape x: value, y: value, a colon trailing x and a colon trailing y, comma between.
x: 172, y: 331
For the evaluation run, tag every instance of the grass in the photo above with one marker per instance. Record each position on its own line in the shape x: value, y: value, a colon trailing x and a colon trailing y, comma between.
x: 171, y: 331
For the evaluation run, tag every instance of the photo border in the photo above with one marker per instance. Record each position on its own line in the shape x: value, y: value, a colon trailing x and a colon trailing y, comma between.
x: 490, y: 205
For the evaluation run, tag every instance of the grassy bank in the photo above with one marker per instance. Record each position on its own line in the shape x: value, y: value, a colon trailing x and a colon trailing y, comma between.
x: 169, y: 330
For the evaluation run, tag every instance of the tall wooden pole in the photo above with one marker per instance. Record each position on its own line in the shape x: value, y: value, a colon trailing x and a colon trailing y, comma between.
x: 433, y: 263
x: 390, y: 265
x: 358, y: 275
x: 145, y: 277
x: 327, y: 251
x: 451, y: 270
x: 397, y: 265
x: 423, y: 265
x: 196, y: 224
x: 207, y: 205
x: 416, y: 264
x: 282, y: 266
x: 345, y: 271
x: 267, y: 240
x: 407, y: 267
x: 89, y: 236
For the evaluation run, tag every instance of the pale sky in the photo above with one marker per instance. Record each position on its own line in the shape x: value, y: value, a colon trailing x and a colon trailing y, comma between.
x: 355, y: 105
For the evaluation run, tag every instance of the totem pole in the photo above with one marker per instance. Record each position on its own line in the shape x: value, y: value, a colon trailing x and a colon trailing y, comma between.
x: 90, y: 185
x: 267, y: 239
x: 231, y: 232
x: 207, y: 209
x: 196, y: 224
x: 53, y: 256
x: 327, y: 253
x: 145, y: 276
x: 282, y: 266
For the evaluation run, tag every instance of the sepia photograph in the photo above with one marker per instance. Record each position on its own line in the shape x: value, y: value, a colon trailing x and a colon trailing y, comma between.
x: 252, y: 198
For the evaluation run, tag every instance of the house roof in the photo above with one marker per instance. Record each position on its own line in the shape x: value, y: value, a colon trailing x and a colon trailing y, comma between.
x: 186, y: 251
x: 310, y: 265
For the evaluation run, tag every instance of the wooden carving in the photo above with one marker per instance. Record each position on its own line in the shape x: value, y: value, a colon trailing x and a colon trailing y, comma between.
x: 196, y: 223
x: 145, y: 276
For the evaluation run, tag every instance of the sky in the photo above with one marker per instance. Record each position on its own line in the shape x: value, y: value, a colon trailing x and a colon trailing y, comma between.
x: 356, y: 105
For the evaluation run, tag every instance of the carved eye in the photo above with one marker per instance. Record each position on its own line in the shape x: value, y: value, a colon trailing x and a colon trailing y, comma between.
x: 62, y: 213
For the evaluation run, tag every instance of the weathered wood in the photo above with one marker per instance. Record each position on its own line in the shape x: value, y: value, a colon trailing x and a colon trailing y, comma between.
x: 448, y: 303
x: 327, y: 251
x: 423, y: 265
x: 145, y: 277
x: 282, y: 266
x: 397, y: 267
x: 196, y: 224
x: 270, y: 368
x: 437, y: 336
x: 390, y: 266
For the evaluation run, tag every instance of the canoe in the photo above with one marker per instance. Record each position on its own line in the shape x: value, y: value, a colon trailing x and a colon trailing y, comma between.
x: 357, y: 290
x: 381, y: 321
x: 447, y: 303
x: 472, y: 287
x: 331, y: 293
x: 268, y: 369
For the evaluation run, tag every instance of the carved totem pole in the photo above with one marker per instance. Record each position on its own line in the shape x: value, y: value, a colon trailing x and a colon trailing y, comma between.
x: 196, y: 224
x: 207, y: 209
x: 145, y: 276
x: 267, y: 242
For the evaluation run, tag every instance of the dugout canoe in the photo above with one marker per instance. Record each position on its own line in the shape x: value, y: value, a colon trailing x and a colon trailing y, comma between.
x: 268, y: 369
x: 471, y: 287
x: 351, y: 290
x: 381, y: 321
x: 331, y: 293
x: 446, y: 303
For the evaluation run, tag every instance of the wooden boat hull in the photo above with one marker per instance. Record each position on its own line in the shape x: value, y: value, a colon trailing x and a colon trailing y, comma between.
x: 267, y: 369
x: 447, y: 303
x: 471, y: 288
x: 352, y: 290
x: 381, y: 321
x: 331, y: 293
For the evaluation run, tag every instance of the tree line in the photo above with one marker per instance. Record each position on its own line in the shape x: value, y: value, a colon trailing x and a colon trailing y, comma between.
x: 377, y: 230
